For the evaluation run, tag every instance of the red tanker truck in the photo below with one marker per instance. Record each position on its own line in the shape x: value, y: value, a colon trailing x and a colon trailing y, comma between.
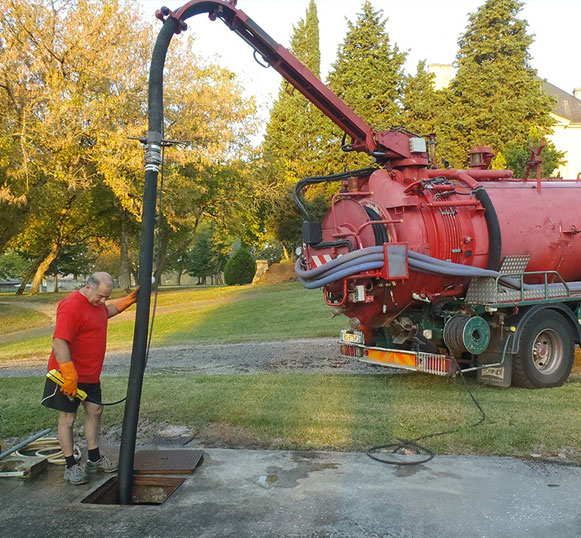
x: 441, y: 270
x: 438, y: 270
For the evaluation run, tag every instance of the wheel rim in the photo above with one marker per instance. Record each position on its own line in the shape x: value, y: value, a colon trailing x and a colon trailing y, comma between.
x: 547, y: 351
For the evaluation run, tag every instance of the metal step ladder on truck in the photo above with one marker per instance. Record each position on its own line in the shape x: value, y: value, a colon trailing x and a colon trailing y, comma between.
x: 437, y: 269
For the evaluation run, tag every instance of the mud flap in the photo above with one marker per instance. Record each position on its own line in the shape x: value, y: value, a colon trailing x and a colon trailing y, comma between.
x: 497, y: 376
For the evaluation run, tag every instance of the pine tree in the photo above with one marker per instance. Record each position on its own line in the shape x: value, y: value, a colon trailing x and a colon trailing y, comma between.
x: 421, y: 102
x: 292, y: 134
x: 368, y: 73
x: 495, y: 97
x: 368, y: 76
x: 293, y: 144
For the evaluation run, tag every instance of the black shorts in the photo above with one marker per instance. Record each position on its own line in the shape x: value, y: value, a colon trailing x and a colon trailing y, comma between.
x: 55, y: 399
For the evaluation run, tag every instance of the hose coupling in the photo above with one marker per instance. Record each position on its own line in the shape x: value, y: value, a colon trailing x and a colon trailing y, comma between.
x: 152, y: 157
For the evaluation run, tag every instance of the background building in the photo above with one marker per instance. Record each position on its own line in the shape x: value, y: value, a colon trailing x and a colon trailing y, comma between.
x: 566, y: 113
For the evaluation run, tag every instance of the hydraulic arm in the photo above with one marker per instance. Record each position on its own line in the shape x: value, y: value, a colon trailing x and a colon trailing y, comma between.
x: 382, y: 144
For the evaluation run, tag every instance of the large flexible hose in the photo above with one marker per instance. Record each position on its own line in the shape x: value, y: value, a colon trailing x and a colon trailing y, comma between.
x: 371, y: 258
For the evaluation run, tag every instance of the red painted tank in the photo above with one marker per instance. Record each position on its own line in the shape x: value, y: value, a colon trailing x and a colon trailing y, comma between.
x: 439, y: 213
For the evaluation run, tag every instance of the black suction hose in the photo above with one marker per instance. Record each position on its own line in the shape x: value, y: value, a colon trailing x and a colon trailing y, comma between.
x: 379, y: 230
x: 138, y: 354
x: 494, y: 237
x: 302, y: 183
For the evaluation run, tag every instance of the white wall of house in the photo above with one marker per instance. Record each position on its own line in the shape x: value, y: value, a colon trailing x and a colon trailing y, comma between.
x: 567, y: 137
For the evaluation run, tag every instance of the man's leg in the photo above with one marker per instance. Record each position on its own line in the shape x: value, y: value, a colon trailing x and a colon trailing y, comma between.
x: 92, y: 424
x: 65, y: 432
x: 95, y: 461
x: 73, y: 472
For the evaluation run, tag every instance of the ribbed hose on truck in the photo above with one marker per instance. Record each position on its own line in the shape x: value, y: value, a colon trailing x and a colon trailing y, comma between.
x: 371, y: 258
x: 494, y: 237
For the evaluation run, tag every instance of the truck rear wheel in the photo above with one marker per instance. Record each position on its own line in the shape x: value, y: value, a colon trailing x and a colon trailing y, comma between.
x: 546, y: 352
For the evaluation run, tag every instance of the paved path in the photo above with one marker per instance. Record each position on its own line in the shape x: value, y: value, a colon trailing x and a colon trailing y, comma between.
x: 246, y: 493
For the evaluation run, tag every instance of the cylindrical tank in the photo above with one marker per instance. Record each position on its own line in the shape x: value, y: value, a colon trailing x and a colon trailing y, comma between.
x: 474, y: 217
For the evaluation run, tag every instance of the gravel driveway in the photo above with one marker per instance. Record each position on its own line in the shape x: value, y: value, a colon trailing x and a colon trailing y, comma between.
x: 313, y: 355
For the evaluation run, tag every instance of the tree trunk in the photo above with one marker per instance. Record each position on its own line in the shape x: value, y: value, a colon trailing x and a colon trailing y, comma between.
x: 161, y: 257
x: 29, y: 274
x: 179, y: 278
x: 56, y: 283
x: 135, y: 274
x: 43, y: 267
x: 285, y: 253
x: 125, y: 275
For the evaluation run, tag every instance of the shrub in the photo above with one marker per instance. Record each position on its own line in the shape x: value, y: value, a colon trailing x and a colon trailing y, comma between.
x: 240, y: 268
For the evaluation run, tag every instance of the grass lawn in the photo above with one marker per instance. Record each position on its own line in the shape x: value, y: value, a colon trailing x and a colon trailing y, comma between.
x: 212, y: 315
x: 17, y: 318
x: 336, y: 412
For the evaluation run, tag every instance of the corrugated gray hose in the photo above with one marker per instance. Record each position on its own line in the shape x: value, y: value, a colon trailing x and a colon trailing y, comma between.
x: 370, y: 258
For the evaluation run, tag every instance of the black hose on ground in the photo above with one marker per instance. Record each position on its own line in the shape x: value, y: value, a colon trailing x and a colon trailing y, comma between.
x: 411, y: 445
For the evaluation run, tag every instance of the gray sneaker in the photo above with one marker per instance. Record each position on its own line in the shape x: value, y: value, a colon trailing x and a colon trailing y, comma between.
x: 105, y: 465
x: 75, y: 475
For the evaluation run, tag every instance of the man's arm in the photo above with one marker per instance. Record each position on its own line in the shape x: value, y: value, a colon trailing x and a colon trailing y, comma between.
x: 116, y: 307
x: 61, y: 350
x: 62, y: 355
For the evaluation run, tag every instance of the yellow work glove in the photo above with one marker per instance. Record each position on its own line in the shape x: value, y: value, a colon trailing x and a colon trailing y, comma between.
x: 127, y: 301
x: 70, y: 377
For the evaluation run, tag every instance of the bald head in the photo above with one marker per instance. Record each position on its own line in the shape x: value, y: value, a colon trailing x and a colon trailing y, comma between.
x: 98, y: 288
x: 97, y: 279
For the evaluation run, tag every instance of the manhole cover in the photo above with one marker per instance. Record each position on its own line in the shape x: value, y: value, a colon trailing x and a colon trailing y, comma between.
x: 167, y: 461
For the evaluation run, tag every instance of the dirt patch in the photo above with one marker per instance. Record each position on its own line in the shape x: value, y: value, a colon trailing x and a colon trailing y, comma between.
x: 208, y: 436
x: 278, y: 273
x: 562, y: 455
x: 226, y: 436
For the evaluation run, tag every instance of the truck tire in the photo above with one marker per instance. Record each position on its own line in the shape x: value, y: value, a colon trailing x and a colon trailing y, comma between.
x: 546, y: 352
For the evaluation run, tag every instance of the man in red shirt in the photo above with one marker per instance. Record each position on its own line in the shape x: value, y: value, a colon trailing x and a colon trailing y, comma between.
x: 78, y: 351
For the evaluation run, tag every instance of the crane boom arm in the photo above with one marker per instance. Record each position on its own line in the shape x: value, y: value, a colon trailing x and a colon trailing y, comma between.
x: 297, y: 74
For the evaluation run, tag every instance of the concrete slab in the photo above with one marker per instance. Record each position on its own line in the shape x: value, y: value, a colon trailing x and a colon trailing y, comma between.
x: 246, y: 493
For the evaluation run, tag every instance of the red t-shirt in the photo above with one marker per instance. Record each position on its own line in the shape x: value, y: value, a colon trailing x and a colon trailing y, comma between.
x: 84, y: 327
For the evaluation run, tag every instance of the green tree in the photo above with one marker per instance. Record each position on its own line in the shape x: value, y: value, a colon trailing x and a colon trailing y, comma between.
x: 292, y: 141
x: 13, y: 264
x: 368, y: 72
x: 517, y: 157
x: 421, y: 103
x: 495, y: 97
x: 73, y: 260
x: 240, y: 268
x: 296, y: 139
x: 203, y: 259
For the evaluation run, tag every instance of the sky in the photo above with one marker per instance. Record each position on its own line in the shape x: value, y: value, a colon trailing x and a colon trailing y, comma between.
x: 426, y: 29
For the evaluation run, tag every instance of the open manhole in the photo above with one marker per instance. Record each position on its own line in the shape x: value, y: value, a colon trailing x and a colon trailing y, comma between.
x: 151, y: 490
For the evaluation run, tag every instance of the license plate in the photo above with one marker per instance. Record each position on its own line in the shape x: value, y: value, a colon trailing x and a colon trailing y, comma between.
x: 352, y: 338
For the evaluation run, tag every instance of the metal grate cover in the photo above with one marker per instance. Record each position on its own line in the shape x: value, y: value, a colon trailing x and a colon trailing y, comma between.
x: 514, y: 265
x: 483, y: 290
x: 167, y: 461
